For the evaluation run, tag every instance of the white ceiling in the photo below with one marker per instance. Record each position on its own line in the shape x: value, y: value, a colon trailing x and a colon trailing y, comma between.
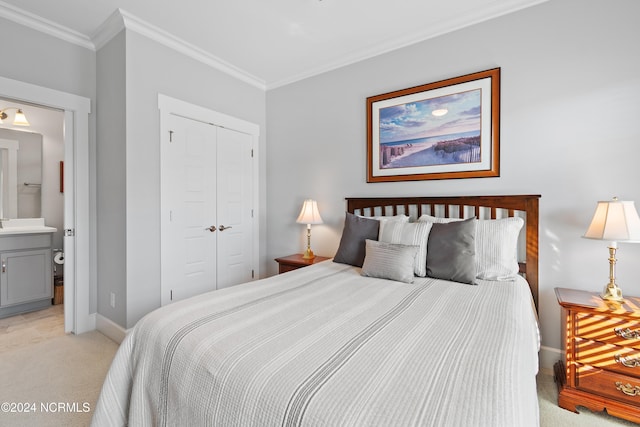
x: 277, y: 41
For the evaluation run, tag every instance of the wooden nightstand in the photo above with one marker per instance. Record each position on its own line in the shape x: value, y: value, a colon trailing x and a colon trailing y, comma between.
x: 601, y: 369
x: 293, y: 262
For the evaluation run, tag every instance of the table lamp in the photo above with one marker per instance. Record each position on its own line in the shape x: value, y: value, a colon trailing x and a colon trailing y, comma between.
x: 615, y: 221
x: 309, y: 215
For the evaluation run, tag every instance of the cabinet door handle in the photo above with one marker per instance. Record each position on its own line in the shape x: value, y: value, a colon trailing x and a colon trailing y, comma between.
x: 4, y: 266
x: 627, y: 361
x: 628, y: 389
x: 627, y: 333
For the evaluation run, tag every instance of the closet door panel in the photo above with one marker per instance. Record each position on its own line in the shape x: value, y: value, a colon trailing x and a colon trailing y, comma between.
x: 234, y: 200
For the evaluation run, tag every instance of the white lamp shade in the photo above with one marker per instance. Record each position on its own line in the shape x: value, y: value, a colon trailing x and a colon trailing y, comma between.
x: 616, y: 221
x: 309, y: 213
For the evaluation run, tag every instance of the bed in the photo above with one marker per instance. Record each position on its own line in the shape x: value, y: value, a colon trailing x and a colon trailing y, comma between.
x: 338, y: 344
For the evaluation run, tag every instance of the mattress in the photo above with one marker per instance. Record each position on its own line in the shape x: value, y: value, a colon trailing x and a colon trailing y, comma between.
x: 325, y: 346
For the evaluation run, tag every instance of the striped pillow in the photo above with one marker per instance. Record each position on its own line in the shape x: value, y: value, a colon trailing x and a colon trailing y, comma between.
x: 389, y: 261
x: 411, y: 234
x: 497, y: 248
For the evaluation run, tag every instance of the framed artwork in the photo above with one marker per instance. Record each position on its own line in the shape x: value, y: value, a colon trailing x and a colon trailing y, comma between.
x: 442, y: 130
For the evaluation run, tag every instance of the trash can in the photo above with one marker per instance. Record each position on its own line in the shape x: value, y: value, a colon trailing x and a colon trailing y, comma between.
x: 58, y: 291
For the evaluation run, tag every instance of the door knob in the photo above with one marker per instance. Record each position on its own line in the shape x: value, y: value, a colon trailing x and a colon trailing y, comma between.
x: 212, y: 228
x: 222, y: 228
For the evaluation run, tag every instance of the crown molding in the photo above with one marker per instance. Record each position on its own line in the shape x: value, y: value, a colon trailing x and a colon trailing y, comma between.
x: 462, y: 21
x: 122, y: 19
x: 118, y: 21
x: 38, y: 23
x: 108, y: 29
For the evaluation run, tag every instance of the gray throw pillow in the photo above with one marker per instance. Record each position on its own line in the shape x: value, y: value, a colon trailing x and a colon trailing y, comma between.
x: 451, y: 251
x: 352, y: 243
x: 389, y: 261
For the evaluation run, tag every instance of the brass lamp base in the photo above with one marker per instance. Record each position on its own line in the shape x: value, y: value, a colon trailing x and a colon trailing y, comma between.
x: 612, y: 293
x: 308, y: 254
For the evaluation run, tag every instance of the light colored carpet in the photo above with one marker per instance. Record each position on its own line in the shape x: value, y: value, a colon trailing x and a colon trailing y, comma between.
x: 41, y: 365
x: 66, y: 370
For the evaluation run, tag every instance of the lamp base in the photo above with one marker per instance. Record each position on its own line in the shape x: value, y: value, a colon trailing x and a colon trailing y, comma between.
x: 308, y: 254
x: 612, y: 293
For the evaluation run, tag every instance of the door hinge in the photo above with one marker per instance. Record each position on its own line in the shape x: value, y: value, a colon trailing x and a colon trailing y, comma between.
x: 69, y: 232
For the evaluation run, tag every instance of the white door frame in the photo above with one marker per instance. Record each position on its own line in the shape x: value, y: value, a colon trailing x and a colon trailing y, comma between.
x: 168, y: 105
x: 79, y: 254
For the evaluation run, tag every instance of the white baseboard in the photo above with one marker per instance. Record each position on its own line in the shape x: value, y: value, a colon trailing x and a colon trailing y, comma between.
x: 86, y: 323
x: 110, y: 329
x: 548, y: 356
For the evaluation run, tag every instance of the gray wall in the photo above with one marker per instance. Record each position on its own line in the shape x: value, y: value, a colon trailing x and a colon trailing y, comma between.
x: 152, y: 68
x: 570, y: 84
x: 39, y: 59
x: 111, y: 178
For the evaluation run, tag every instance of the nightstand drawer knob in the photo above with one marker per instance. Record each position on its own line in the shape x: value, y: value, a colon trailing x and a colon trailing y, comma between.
x: 627, y: 334
x: 628, y: 389
x: 627, y: 361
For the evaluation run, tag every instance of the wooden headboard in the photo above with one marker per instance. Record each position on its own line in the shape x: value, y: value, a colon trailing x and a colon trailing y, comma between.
x: 483, y: 207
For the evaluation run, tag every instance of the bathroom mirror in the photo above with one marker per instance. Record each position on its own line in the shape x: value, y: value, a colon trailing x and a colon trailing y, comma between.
x: 20, y: 174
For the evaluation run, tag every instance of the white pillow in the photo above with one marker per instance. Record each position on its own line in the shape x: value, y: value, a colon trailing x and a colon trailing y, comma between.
x: 411, y: 234
x: 385, y: 219
x: 394, y: 218
x: 436, y: 219
x: 496, y: 246
x: 388, y: 261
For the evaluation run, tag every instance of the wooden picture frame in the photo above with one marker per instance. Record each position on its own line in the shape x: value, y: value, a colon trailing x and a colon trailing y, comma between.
x: 442, y: 130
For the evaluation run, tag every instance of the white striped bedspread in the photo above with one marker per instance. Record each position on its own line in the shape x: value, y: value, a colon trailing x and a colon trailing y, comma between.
x: 324, y: 346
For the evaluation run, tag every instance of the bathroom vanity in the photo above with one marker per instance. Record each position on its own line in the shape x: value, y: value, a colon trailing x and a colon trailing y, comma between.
x: 26, y: 271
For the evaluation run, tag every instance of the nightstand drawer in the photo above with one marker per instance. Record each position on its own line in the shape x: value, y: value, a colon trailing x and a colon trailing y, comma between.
x: 295, y: 261
x: 605, y: 383
x: 607, y: 329
x: 611, y: 357
x: 283, y: 268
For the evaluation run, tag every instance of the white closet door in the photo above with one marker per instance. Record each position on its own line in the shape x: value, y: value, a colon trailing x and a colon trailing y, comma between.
x: 189, y: 258
x: 234, y: 199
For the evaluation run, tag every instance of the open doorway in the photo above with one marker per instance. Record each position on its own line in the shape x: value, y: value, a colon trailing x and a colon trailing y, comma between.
x: 79, y: 258
x: 31, y: 189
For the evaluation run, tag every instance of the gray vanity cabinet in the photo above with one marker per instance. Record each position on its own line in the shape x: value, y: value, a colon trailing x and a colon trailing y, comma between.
x: 26, y: 279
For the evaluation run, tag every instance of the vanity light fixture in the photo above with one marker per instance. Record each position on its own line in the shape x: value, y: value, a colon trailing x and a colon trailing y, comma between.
x: 18, y: 120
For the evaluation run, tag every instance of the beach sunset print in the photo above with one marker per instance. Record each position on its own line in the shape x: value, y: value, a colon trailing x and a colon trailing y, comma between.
x: 436, y: 131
